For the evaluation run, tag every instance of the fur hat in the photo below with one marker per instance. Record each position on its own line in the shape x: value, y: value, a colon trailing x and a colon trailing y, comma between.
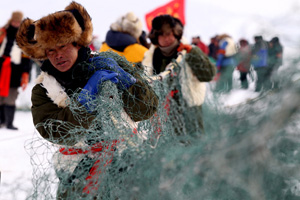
x: 17, y: 16
x: 73, y: 24
x: 130, y: 24
x: 223, y: 36
x: 164, y: 23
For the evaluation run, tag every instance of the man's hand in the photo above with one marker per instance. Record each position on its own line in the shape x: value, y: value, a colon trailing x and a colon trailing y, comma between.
x: 91, y: 89
x: 125, y: 80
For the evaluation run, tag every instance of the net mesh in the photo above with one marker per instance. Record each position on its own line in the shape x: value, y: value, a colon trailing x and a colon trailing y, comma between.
x: 248, y: 151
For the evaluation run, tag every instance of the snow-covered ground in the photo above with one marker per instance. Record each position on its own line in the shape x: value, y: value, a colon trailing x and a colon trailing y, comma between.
x: 15, y: 164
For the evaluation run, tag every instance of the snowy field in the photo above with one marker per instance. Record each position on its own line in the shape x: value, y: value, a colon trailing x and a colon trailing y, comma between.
x: 15, y: 164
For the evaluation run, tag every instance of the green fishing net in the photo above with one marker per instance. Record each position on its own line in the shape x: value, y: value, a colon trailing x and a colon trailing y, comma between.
x: 248, y: 151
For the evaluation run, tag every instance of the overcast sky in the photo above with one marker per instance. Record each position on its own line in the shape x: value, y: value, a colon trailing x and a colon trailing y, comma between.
x: 239, y: 18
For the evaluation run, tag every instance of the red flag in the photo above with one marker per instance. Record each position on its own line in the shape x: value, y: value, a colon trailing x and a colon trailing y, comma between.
x: 174, y: 8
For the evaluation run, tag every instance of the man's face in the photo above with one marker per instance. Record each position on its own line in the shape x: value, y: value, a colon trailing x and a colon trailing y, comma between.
x: 63, y: 57
x: 166, y: 39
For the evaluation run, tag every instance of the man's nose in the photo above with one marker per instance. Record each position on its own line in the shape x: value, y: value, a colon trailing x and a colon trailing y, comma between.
x: 58, y: 54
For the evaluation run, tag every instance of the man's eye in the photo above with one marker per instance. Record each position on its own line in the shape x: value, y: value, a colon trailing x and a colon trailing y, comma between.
x: 50, y: 52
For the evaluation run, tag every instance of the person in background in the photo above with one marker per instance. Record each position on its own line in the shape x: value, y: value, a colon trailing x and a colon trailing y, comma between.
x: 197, y: 42
x: 259, y: 61
x: 14, y: 70
x: 71, y: 75
x: 226, y: 62
x: 275, y: 54
x: 167, y: 42
x: 275, y: 57
x: 213, y: 48
x: 126, y: 38
x: 244, y: 61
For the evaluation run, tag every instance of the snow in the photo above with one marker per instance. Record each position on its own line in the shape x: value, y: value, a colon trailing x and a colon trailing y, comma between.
x: 14, y: 160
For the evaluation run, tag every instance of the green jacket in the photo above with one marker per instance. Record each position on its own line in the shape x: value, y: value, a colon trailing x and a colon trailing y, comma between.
x: 55, y: 120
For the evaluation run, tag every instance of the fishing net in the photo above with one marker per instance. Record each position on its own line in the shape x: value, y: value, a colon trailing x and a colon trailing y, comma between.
x: 248, y: 151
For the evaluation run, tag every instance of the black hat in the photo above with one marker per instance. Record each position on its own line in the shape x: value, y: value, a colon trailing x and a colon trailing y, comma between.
x: 275, y: 40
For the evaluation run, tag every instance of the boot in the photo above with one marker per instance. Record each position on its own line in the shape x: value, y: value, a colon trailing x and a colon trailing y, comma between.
x: 9, y: 117
x: 2, y: 118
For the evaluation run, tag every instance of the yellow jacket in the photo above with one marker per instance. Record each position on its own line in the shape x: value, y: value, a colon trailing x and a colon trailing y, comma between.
x: 133, y: 53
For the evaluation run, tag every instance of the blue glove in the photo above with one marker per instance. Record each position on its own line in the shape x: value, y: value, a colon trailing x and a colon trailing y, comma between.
x: 125, y: 79
x: 88, y: 94
x: 100, y: 62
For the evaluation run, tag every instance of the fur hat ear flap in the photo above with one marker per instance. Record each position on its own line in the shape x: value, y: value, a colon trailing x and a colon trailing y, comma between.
x: 26, y: 39
x: 71, y: 25
x: 85, y: 22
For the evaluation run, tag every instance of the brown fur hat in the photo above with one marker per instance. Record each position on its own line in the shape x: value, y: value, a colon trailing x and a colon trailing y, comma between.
x: 17, y: 16
x: 73, y: 24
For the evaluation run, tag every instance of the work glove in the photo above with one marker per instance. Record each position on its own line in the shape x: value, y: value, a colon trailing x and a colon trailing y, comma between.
x: 125, y: 80
x: 186, y: 47
x: 24, y: 80
x: 88, y: 94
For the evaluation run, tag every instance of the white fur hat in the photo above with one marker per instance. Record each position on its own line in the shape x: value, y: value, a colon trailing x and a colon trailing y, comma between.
x: 128, y: 23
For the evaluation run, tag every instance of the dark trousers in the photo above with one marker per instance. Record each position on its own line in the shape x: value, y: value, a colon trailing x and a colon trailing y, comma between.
x: 8, y: 108
x: 263, y: 79
x: 243, y: 79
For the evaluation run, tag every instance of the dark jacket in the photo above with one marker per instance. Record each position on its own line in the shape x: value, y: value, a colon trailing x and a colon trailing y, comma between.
x: 60, y: 123
x: 275, y: 53
x: 140, y: 101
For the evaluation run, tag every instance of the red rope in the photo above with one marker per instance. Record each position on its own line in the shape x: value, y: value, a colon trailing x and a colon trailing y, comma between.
x: 104, y: 160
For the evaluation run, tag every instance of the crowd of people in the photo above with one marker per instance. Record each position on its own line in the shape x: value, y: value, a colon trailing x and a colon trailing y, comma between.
x: 127, y: 38
x: 262, y: 57
x: 72, y: 71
